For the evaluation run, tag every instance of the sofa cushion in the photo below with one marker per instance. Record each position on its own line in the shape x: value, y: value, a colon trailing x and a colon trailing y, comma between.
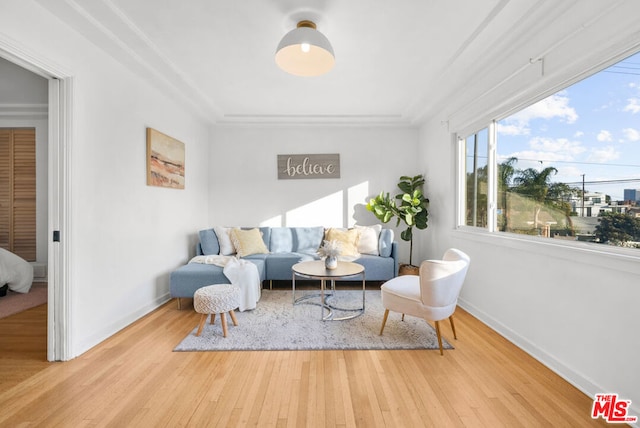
x: 281, y: 240
x: 266, y: 235
x: 247, y: 242
x: 209, y: 242
x: 377, y: 268
x: 307, y: 239
x: 386, y: 242
x: 348, y: 240
x: 224, y: 239
x: 369, y: 239
x: 278, y: 265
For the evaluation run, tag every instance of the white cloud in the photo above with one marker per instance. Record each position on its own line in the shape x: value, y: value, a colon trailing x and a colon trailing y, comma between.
x: 512, y: 129
x: 578, y: 134
x: 603, y: 155
x: 604, y: 136
x: 554, y: 107
x: 631, y: 134
x: 562, y: 148
x: 633, y: 105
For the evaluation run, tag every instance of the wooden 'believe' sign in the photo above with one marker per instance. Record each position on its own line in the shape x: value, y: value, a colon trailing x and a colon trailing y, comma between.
x: 292, y: 167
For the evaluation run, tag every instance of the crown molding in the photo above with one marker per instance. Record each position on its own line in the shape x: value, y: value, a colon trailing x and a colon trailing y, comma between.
x: 24, y: 111
x: 317, y: 120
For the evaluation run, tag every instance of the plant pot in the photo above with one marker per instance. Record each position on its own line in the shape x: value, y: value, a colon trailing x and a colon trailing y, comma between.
x: 406, y: 269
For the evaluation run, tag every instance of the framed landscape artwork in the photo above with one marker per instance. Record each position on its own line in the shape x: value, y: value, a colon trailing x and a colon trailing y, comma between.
x: 165, y: 160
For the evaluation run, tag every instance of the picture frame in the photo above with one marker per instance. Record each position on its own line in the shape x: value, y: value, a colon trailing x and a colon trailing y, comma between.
x: 165, y: 160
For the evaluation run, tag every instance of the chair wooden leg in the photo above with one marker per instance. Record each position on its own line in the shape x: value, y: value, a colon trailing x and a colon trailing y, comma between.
x: 213, y: 318
x: 439, y: 337
x: 402, y: 317
x: 384, y: 320
x: 203, y: 319
x: 179, y: 303
x: 453, y: 327
x: 233, y: 317
x: 223, y: 318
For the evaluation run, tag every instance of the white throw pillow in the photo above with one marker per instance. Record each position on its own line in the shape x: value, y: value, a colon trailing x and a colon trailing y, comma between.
x: 224, y: 239
x: 369, y: 237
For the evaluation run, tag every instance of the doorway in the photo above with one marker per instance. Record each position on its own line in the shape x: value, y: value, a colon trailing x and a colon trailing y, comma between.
x: 58, y: 108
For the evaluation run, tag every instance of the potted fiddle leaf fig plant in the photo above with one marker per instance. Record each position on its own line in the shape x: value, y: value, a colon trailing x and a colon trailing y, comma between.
x: 409, y: 207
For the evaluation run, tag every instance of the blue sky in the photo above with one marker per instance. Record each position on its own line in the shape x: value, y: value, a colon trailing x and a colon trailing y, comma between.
x: 591, y: 128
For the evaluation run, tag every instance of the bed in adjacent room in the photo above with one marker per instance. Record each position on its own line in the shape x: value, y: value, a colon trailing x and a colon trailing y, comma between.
x: 16, y: 274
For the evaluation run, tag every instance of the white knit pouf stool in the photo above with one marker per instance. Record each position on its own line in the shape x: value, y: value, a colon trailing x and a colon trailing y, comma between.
x: 216, y: 299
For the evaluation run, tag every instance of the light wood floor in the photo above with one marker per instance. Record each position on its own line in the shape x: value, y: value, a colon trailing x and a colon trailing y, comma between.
x: 135, y: 380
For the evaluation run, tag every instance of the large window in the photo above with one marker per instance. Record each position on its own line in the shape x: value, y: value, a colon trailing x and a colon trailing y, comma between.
x: 566, y: 167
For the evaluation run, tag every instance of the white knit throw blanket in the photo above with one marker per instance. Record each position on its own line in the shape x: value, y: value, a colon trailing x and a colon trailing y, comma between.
x: 240, y: 272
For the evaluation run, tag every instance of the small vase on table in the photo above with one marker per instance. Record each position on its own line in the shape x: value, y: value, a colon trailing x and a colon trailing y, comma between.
x: 331, y: 262
x: 330, y: 250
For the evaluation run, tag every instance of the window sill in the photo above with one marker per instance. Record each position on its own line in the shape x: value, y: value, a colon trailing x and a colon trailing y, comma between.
x: 607, y: 256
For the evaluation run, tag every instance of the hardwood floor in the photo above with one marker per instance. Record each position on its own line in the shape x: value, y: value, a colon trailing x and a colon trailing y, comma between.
x: 134, y: 379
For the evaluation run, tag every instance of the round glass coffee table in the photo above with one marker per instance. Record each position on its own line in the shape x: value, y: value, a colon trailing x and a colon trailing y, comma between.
x: 327, y: 300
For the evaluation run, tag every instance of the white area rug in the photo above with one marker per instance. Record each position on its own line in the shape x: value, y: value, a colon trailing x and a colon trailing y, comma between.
x: 276, y: 324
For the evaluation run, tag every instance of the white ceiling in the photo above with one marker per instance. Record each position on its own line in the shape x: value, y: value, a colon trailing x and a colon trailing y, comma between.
x: 396, y: 61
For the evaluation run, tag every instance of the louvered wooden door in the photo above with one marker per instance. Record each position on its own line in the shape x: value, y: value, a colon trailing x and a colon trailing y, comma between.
x: 18, y: 191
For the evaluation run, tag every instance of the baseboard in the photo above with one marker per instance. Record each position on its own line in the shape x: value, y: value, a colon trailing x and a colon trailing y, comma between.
x: 580, y: 381
x: 113, y: 328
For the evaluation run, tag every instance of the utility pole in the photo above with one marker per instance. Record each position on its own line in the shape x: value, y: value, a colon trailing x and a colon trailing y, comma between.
x: 582, y: 195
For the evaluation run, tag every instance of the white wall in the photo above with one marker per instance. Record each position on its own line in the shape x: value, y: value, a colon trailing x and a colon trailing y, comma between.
x: 125, y: 236
x: 244, y: 185
x: 20, y: 87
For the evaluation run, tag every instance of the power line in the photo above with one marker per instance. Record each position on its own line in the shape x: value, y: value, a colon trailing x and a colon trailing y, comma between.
x: 622, y: 66
x: 621, y: 72
x: 620, y: 181
x: 571, y: 162
x: 583, y: 163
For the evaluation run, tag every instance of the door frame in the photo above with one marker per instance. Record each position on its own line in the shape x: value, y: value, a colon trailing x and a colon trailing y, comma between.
x: 59, y: 318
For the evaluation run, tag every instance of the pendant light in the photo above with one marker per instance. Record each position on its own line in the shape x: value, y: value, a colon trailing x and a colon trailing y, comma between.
x: 304, y: 51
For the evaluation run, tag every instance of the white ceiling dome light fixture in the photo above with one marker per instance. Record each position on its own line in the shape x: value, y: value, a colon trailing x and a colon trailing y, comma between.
x: 305, y: 51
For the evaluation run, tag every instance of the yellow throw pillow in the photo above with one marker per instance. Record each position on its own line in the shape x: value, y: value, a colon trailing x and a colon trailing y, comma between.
x: 348, y: 240
x: 248, y: 242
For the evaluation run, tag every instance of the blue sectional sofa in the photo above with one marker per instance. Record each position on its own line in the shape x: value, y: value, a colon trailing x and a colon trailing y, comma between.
x: 287, y: 246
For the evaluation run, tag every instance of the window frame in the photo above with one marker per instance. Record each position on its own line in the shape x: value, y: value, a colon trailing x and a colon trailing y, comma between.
x: 599, y: 254
x: 492, y: 192
x: 491, y: 178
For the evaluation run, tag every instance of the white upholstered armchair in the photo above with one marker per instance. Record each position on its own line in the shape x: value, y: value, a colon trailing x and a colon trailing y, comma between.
x: 433, y: 295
